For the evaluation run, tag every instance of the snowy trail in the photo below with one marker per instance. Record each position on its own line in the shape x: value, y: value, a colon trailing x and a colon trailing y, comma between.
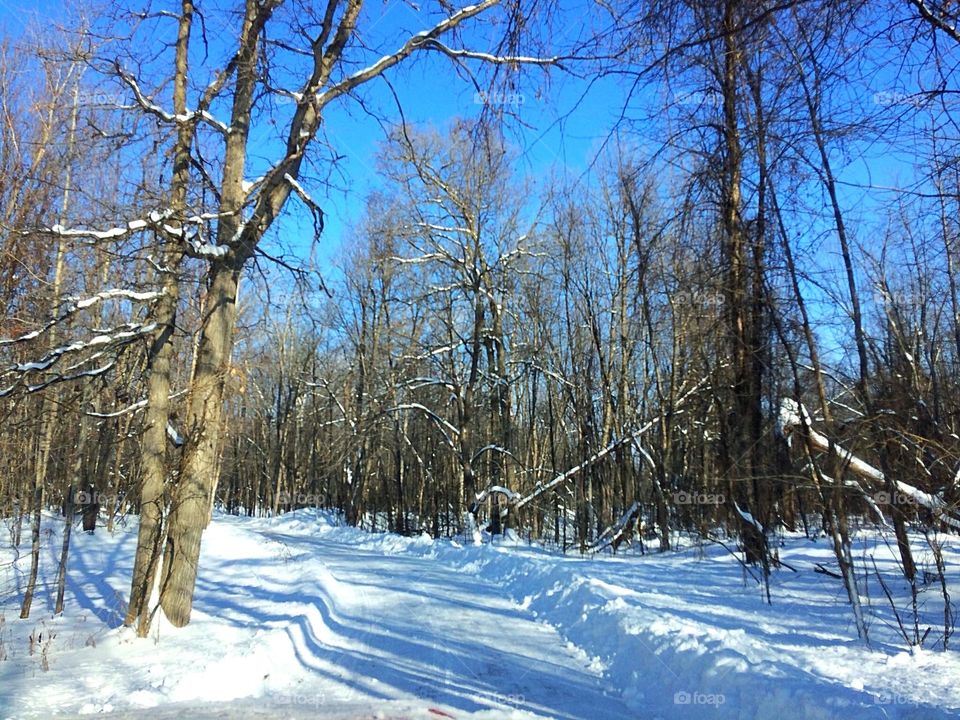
x: 302, y: 625
x: 400, y: 627
x: 298, y: 617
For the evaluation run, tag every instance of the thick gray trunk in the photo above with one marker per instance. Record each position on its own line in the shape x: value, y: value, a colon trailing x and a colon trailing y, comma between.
x: 190, y: 506
x: 154, y: 466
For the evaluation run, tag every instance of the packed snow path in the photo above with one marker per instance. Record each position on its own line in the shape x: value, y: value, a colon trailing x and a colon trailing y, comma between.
x: 393, y: 627
x: 298, y: 617
x: 311, y: 627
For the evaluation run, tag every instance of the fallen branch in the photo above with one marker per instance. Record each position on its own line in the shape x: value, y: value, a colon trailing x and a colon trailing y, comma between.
x: 793, y: 415
x: 614, y: 535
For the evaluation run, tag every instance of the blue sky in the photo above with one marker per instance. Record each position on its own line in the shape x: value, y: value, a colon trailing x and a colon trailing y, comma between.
x: 566, y: 120
x: 429, y: 92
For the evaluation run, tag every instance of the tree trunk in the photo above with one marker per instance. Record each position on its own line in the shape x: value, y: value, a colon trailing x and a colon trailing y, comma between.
x: 150, y: 535
x: 190, y: 505
x: 48, y: 404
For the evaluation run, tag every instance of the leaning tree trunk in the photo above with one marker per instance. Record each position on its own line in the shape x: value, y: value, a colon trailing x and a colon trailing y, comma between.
x: 863, y: 386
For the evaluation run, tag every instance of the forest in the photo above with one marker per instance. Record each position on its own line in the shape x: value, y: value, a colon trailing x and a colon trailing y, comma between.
x: 728, y: 309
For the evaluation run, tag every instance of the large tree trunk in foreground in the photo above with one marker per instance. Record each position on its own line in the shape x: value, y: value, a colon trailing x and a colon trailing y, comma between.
x: 154, y: 466
x: 154, y: 469
x: 192, y: 496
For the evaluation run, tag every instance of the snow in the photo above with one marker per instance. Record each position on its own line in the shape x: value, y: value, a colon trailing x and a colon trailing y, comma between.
x: 300, y: 617
x: 174, y: 436
x: 495, y: 59
x: 208, y: 250
x: 248, y: 185
x: 97, y: 234
x: 132, y: 330
x: 790, y: 417
x: 122, y: 293
x: 298, y: 188
x: 214, y: 122
x: 494, y: 489
x: 748, y: 517
x: 146, y: 103
x: 413, y: 43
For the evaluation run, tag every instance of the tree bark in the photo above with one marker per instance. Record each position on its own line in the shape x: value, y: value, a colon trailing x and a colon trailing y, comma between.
x: 197, y: 479
x: 151, y: 532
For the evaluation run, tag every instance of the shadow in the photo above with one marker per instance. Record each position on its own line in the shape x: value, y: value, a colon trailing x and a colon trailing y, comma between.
x: 89, y: 585
x: 410, y: 627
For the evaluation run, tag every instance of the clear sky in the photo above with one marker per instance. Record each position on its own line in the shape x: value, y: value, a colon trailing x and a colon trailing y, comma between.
x: 565, y: 121
x: 429, y: 93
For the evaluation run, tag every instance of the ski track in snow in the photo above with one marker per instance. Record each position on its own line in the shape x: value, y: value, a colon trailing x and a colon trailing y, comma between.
x: 296, y: 617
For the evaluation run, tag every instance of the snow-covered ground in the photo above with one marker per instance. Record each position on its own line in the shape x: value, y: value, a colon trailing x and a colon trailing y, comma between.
x: 298, y: 617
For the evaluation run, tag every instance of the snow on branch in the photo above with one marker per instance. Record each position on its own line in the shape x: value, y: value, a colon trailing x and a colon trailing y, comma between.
x: 158, y: 222
x: 599, y: 455
x: 94, y: 372
x: 592, y: 460
x: 132, y: 408
x: 429, y: 257
x: 146, y: 104
x: 317, y: 92
x: 312, y: 205
x: 203, y: 250
x: 113, y: 233
x: 128, y: 332
x: 453, y: 230
x: 76, y: 304
x: 59, y: 378
x: 118, y: 337
x: 301, y: 193
x: 434, y: 44
x: 422, y: 382
x: 614, y: 534
x: 449, y: 431
x: 494, y: 448
x: 420, y: 41
x: 749, y: 518
x: 793, y: 415
x: 497, y: 490
x: 325, y: 384
x: 153, y: 221
x: 865, y: 496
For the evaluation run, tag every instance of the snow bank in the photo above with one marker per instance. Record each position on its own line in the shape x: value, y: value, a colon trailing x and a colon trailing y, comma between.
x: 284, y: 605
x: 685, y: 637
